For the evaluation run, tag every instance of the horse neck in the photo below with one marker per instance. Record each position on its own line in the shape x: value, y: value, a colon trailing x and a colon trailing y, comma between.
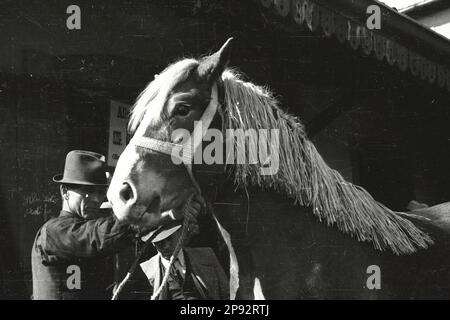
x: 234, y: 206
x: 212, y: 181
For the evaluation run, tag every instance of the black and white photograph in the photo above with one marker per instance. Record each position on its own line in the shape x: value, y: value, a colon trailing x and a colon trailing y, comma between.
x: 224, y: 150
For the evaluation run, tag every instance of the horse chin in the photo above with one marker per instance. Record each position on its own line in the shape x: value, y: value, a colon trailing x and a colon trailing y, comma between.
x: 130, y: 215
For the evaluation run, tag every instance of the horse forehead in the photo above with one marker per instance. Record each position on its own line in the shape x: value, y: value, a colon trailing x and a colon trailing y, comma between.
x: 189, y: 94
x: 191, y: 87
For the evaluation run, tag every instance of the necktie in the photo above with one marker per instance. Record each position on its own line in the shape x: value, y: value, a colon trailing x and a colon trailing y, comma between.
x: 176, y: 270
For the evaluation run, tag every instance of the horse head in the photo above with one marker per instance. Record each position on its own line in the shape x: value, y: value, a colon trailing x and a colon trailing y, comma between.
x: 147, y: 182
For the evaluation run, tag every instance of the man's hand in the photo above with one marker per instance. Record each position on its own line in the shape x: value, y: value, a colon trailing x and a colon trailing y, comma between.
x: 190, y: 210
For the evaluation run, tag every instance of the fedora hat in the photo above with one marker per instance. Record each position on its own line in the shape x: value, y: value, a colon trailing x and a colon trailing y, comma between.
x: 85, y: 168
x: 163, y: 232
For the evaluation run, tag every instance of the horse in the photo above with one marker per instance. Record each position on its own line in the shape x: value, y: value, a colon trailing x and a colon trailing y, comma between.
x: 294, y: 228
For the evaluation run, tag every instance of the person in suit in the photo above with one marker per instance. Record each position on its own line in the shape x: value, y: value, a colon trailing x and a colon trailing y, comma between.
x: 196, y: 273
x: 70, y: 252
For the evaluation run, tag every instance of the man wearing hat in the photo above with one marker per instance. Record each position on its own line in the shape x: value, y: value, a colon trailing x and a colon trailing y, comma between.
x: 69, y: 251
x: 196, y: 273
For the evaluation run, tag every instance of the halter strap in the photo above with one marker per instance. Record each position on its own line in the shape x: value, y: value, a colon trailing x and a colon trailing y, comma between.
x: 188, y: 149
x: 165, y: 147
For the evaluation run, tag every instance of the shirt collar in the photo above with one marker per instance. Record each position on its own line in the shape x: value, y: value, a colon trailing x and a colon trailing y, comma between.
x: 180, y: 257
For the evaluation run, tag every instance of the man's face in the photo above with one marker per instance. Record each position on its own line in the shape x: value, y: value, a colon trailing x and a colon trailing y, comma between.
x: 86, y: 200
x: 167, y: 246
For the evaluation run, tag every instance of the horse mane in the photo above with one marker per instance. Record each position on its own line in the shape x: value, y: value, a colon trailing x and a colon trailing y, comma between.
x: 305, y: 177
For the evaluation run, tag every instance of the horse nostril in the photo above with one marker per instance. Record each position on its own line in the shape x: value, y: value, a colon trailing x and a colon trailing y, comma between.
x: 126, y: 192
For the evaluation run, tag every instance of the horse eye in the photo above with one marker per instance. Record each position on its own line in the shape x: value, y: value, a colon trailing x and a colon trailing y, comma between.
x: 182, y: 110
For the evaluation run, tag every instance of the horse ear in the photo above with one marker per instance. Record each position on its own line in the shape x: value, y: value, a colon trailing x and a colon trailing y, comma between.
x: 212, y: 66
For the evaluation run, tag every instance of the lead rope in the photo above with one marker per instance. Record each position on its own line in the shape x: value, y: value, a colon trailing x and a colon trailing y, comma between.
x: 181, y: 240
x: 133, y: 267
x: 184, y: 233
x: 234, y: 267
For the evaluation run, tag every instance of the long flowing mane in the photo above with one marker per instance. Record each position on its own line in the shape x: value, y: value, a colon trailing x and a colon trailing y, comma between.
x: 305, y: 177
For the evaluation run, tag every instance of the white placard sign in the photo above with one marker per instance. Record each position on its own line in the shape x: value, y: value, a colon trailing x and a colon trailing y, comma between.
x: 118, y: 138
